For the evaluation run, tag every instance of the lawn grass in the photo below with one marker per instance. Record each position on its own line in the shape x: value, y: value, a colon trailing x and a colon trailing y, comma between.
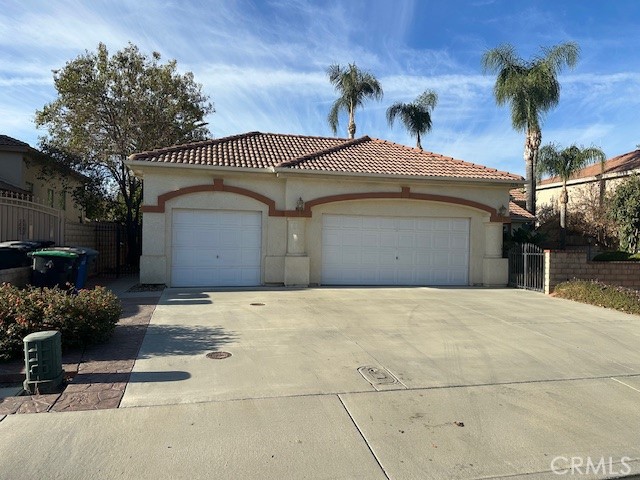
x: 617, y: 256
x: 601, y: 295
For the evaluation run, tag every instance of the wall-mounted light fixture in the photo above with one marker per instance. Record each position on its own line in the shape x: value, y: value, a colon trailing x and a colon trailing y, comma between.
x: 300, y: 205
x: 502, y: 211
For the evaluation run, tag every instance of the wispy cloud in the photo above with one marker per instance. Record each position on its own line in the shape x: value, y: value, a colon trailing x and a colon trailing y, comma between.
x: 263, y: 64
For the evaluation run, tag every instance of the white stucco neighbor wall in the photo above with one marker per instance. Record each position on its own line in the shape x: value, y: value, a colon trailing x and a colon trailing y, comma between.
x: 291, y: 244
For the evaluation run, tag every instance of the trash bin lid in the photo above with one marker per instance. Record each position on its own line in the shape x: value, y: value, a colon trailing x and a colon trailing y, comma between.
x: 54, y: 253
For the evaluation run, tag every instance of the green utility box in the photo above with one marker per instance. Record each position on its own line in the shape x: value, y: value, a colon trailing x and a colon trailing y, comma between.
x: 43, y: 362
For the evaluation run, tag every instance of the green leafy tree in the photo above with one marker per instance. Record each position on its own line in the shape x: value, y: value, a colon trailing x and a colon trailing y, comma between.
x: 564, y: 163
x: 531, y: 88
x: 95, y: 194
x: 624, y: 209
x: 415, y: 116
x: 110, y: 106
x: 354, y: 87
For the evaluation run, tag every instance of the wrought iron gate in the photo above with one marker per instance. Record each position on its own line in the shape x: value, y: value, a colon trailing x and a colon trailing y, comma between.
x: 526, y: 267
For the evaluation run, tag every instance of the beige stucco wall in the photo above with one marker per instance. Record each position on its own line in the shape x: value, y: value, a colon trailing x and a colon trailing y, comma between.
x: 578, y: 190
x: 41, y: 188
x: 290, y: 244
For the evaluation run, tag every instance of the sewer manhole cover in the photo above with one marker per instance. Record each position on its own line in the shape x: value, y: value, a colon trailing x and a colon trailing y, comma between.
x: 257, y: 304
x: 218, y: 355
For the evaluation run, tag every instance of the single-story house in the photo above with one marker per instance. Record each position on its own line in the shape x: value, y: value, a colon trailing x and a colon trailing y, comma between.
x: 588, y: 182
x: 264, y: 208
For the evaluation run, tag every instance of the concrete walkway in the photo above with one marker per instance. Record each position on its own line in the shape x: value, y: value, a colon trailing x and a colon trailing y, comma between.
x: 358, y: 383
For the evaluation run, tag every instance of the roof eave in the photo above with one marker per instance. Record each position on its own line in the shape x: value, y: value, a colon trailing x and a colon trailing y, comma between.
x: 139, y: 165
x: 286, y: 170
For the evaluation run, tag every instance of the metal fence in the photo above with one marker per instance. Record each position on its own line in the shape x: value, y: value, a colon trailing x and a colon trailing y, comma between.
x: 116, y: 253
x: 23, y: 217
x: 526, y: 267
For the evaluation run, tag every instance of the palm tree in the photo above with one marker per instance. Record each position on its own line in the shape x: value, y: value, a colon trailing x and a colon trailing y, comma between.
x: 354, y: 87
x: 564, y: 164
x: 532, y: 89
x: 416, y: 116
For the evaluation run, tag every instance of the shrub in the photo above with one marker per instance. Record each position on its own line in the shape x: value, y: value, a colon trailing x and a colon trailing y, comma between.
x: 616, y: 256
x: 600, y: 294
x: 83, y: 319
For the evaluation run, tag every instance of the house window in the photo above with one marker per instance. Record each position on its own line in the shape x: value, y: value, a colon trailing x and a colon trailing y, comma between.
x: 50, y: 197
x: 28, y: 186
x: 63, y: 200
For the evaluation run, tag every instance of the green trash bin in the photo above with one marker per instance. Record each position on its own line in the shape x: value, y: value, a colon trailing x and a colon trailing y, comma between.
x: 43, y: 362
x: 54, y: 267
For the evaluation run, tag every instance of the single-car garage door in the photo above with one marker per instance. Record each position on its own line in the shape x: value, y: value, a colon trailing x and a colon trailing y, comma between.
x: 215, y: 248
x: 367, y: 250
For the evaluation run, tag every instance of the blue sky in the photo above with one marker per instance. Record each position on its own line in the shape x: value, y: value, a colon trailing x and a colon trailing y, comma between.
x: 263, y: 63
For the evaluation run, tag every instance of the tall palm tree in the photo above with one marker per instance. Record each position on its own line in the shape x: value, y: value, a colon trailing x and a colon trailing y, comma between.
x: 564, y: 164
x: 531, y: 87
x: 354, y: 87
x: 416, y: 116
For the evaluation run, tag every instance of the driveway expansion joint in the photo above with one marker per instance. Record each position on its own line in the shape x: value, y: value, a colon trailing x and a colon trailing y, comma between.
x: 364, y: 439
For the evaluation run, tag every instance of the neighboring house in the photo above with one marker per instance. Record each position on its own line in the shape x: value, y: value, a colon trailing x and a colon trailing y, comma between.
x: 588, y: 182
x: 517, y: 210
x: 21, y: 172
x: 262, y: 208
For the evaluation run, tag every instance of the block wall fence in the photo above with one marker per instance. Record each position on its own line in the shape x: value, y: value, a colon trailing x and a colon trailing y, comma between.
x: 563, y: 265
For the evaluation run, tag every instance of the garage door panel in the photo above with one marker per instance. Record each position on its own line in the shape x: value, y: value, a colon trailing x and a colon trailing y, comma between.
x: 370, y: 239
x: 215, y: 248
x: 394, y: 251
x: 388, y: 239
x: 352, y: 238
x: 441, y: 241
x: 406, y: 240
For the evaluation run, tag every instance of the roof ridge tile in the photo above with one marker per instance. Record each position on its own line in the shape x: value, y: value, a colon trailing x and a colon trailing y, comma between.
x: 319, y: 153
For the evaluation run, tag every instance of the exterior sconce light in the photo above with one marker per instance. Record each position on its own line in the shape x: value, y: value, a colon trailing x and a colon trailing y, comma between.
x: 300, y: 205
x: 502, y: 211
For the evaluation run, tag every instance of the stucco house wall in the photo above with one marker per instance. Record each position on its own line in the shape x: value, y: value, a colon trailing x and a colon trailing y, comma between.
x: 291, y: 245
x: 21, y: 169
x: 294, y: 181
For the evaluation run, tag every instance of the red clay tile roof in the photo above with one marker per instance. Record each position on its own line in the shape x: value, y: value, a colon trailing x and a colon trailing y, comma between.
x: 517, y: 195
x: 519, y: 213
x: 622, y: 163
x: 321, y: 154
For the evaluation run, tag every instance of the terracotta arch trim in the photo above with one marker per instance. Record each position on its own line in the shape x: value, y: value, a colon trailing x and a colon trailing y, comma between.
x: 407, y: 194
x: 219, y: 186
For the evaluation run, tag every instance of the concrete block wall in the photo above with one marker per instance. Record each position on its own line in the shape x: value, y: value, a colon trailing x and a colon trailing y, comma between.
x: 561, y: 266
x: 80, y: 234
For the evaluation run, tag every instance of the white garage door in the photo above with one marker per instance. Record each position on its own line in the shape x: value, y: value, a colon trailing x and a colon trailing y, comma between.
x: 363, y: 250
x: 215, y: 248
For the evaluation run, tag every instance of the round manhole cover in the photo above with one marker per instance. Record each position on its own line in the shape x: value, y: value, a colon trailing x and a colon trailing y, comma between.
x: 218, y: 355
x: 257, y: 304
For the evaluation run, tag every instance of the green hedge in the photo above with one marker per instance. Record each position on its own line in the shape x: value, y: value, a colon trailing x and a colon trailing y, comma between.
x: 617, y: 256
x: 83, y: 319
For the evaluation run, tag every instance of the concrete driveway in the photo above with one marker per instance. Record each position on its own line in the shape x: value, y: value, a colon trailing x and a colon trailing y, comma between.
x: 368, y: 383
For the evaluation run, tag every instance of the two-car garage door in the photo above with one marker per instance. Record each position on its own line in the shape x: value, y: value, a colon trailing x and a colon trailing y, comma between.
x: 371, y: 250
